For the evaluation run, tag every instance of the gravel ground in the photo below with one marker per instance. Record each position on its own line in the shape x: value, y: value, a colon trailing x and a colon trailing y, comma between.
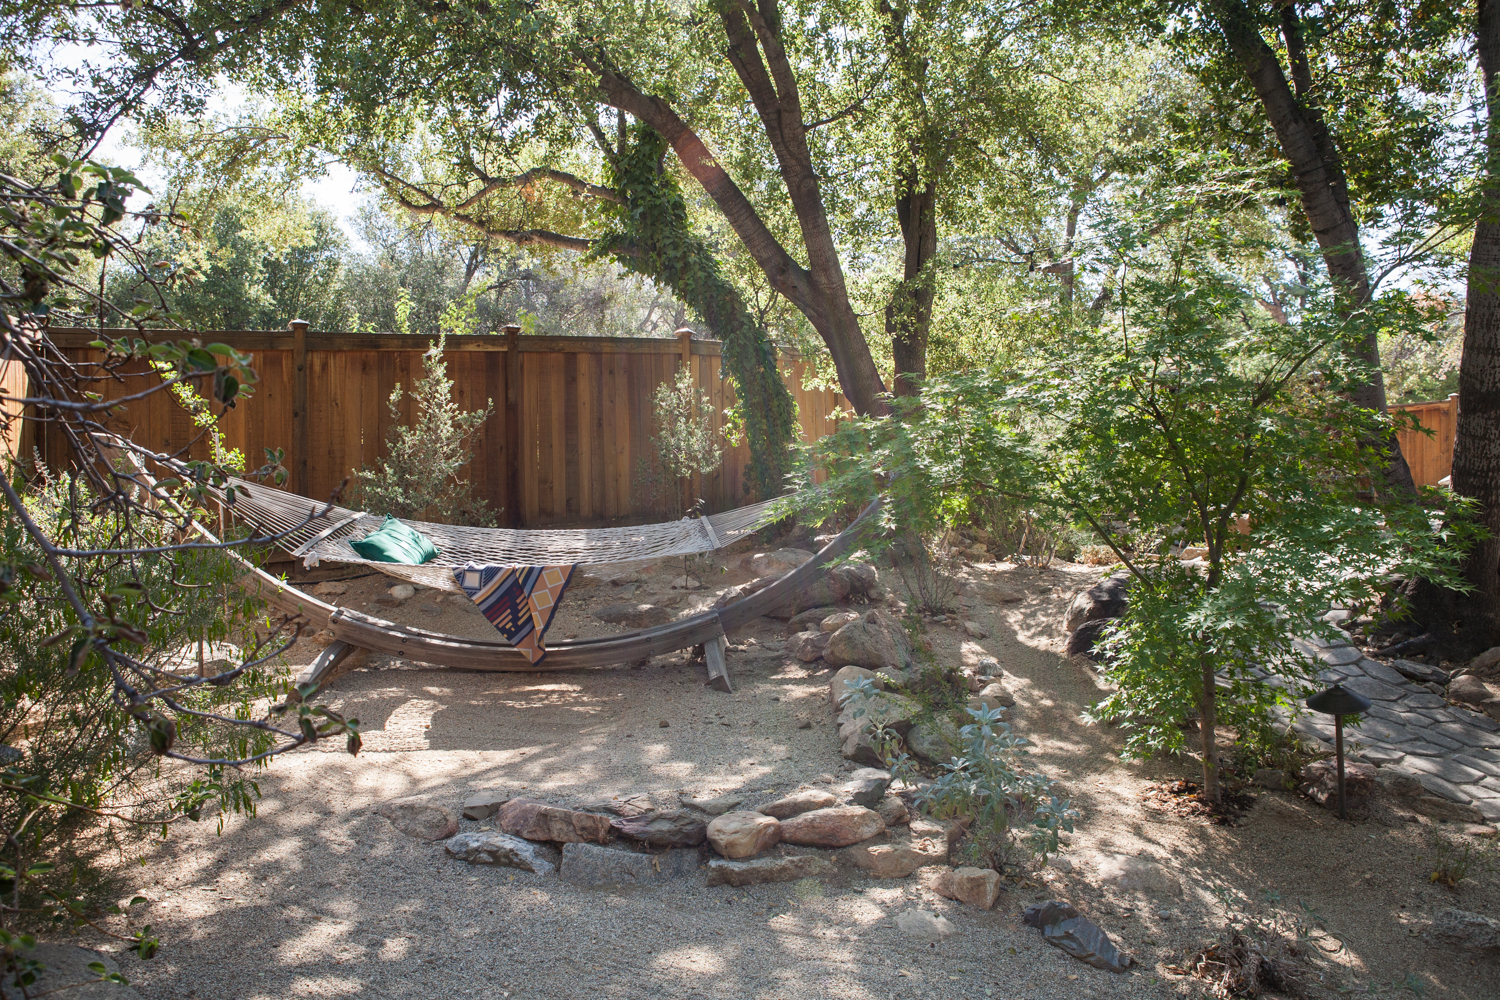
x: 320, y: 897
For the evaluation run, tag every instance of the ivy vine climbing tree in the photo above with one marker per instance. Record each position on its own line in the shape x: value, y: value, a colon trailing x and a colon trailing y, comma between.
x: 655, y: 241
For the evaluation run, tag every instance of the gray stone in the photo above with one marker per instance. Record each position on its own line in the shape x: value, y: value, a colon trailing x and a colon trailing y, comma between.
x: 1064, y: 928
x: 933, y: 740
x: 1471, y: 689
x: 857, y: 746
x: 1109, y: 598
x: 924, y: 925
x: 1440, y: 787
x: 1270, y: 777
x: 403, y: 591
x: 773, y: 869
x: 1375, y: 690
x: 874, y: 642
x: 673, y: 828
x: 800, y: 802
x: 67, y: 965
x: 1488, y: 767
x: 988, y: 666
x: 809, y: 620
x: 1338, y: 656
x: 1419, y: 699
x: 633, y: 615
x: 1425, y: 672
x: 893, y: 811
x: 1128, y: 873
x: 419, y: 819
x: 1467, y: 930
x: 604, y: 867
x: 483, y: 805
x: 838, y: 620
x: 1320, y: 782
x: 1486, y: 660
x: 808, y: 646
x: 713, y: 805
x: 838, y: 685
x: 866, y: 786
x: 891, y: 711
x: 974, y: 630
x: 490, y: 848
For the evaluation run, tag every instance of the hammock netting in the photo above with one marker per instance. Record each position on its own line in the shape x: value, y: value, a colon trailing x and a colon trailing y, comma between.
x: 317, y: 531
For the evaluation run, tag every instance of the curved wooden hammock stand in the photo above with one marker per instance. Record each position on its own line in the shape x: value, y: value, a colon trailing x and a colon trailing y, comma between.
x: 354, y: 632
x: 357, y: 635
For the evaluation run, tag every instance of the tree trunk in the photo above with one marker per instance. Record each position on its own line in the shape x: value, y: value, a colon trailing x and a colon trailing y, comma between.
x: 1310, y: 149
x: 1476, y: 453
x: 1208, y: 725
x: 908, y: 315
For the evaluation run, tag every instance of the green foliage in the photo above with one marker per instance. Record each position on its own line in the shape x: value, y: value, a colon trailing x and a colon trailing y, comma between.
x: 987, y: 784
x: 421, y: 475
x: 656, y: 241
x: 1190, y: 412
x: 683, y: 442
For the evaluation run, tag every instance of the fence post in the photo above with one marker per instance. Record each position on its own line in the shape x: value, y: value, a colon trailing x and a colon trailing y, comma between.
x: 512, y: 426
x: 299, y: 405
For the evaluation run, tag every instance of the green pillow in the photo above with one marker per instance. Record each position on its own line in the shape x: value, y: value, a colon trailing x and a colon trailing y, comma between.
x: 395, y: 542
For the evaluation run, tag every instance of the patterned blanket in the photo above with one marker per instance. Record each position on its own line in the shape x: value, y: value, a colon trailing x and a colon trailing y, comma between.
x: 518, y: 600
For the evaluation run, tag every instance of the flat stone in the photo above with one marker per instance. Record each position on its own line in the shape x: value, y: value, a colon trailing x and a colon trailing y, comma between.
x: 331, y: 588
x: 838, y: 620
x: 670, y: 828
x: 536, y: 820
x: 885, y: 860
x: 633, y: 615
x: 1478, y: 764
x: 924, y: 925
x: 1338, y: 656
x: 771, y: 869
x: 1434, y: 738
x: 1438, y: 786
x: 866, y: 787
x: 837, y: 826
x: 974, y: 630
x: 775, y: 563
x: 1448, y: 770
x: 491, y: 848
x: 1375, y: 690
x: 1383, y: 756
x: 715, y: 805
x: 800, y: 802
x: 1416, y: 698
x: 1462, y: 733
x: 604, y: 867
x: 1380, y: 672
x: 483, y: 805
x: 419, y: 819
x: 743, y: 834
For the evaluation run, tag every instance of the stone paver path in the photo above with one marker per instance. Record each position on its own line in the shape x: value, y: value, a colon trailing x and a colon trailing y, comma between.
x: 1411, y: 728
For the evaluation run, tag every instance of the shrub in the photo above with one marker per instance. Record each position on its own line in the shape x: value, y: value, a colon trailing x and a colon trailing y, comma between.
x: 684, y: 445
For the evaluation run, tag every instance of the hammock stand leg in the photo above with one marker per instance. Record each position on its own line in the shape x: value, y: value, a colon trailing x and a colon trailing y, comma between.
x: 337, y: 658
x: 718, y: 671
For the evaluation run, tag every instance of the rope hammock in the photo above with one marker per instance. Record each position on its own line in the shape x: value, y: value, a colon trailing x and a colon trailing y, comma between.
x: 316, y: 531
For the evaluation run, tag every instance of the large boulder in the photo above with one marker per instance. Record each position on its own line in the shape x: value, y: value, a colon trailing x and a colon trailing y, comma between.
x: 838, y: 684
x: 877, y: 641
x: 1091, y: 608
x: 808, y: 646
x: 1487, y: 662
x: 540, y: 821
x: 885, y: 860
x: 837, y: 826
x: 1467, y: 930
x: 1320, y: 782
x: 419, y: 819
x: 743, y: 834
x: 866, y: 786
x: 1471, y: 690
x: 976, y: 886
x: 633, y: 615
x: 935, y: 741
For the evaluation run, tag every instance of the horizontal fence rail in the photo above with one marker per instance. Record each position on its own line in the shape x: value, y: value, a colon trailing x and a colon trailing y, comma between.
x: 564, y: 445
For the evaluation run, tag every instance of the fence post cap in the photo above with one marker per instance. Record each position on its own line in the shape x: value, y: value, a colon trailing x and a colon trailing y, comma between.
x: 296, y: 323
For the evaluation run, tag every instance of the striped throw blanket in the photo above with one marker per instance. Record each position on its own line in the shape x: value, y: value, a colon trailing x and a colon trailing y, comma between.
x: 518, y: 600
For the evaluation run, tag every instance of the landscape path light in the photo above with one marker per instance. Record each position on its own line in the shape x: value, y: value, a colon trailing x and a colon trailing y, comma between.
x: 1338, y: 701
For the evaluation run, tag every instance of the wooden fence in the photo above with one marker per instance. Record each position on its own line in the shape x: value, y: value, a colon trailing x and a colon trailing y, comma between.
x: 572, y: 415
x: 1430, y: 457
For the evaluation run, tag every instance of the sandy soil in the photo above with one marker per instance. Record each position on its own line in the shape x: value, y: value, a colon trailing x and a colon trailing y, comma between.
x: 319, y: 897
